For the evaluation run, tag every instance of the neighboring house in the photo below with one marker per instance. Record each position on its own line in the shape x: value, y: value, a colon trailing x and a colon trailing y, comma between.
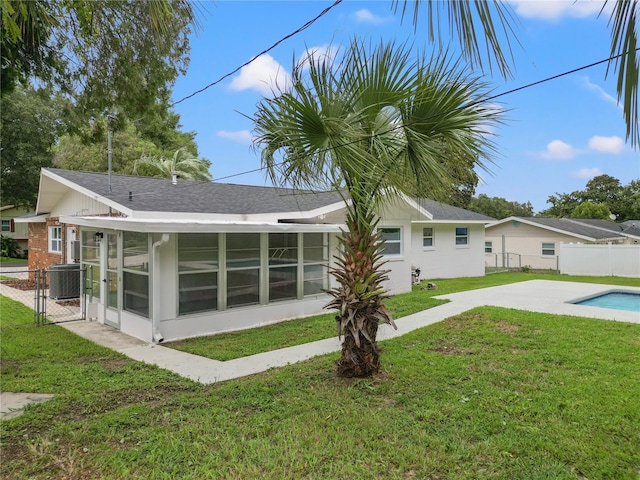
x: 11, y: 229
x: 170, y: 260
x: 535, y: 242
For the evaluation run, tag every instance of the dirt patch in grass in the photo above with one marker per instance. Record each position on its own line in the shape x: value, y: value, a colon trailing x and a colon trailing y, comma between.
x: 505, y: 327
x: 464, y: 321
x: 26, y: 284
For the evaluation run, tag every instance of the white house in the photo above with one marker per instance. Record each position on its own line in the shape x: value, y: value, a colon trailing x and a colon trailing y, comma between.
x: 170, y: 260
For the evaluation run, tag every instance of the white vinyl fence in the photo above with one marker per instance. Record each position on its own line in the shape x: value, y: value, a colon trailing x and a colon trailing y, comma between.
x: 615, y: 260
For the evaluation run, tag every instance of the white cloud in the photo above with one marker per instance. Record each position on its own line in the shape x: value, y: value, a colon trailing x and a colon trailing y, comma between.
x: 240, y: 136
x: 606, y: 144
x: 558, y: 150
x: 586, y: 173
x: 264, y: 74
x: 600, y: 91
x: 365, y: 16
x: 556, y: 9
x: 318, y: 54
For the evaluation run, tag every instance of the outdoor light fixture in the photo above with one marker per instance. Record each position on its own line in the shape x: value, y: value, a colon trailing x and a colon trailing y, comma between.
x: 98, y: 236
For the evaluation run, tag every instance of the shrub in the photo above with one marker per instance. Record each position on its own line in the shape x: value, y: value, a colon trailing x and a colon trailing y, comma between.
x: 9, y: 247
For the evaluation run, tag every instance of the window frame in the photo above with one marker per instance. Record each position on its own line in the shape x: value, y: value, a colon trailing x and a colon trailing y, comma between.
x: 55, y: 241
x: 430, y: 237
x: 139, y: 271
x: 460, y: 236
x: 546, y: 249
x: 392, y: 242
x: 6, y: 225
x: 488, y: 246
x: 207, y: 266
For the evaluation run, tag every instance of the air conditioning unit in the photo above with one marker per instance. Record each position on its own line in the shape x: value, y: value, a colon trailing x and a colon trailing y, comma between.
x: 74, y: 254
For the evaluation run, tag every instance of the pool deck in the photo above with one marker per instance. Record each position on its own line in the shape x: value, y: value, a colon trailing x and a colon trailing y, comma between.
x: 543, y: 296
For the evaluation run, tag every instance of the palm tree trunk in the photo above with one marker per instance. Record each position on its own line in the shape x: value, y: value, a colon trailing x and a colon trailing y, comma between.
x: 361, y: 358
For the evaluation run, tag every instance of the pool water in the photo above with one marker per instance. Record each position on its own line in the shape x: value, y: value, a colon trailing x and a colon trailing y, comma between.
x: 616, y: 300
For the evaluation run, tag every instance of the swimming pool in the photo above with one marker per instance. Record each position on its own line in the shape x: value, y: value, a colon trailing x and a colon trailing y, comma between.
x: 629, y: 301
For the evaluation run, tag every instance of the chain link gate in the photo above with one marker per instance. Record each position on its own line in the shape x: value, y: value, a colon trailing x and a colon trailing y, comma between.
x: 60, y: 294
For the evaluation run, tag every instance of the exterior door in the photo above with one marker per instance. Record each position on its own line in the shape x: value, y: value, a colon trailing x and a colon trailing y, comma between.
x: 113, y: 279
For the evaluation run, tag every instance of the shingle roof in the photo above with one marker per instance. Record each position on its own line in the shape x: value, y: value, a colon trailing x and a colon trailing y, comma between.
x: 592, y: 228
x: 160, y: 195
x: 442, y: 211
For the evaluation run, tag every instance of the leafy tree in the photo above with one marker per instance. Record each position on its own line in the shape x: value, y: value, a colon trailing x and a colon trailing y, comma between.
x: 182, y: 163
x: 622, y: 201
x: 100, y: 54
x: 29, y: 127
x: 591, y: 210
x: 373, y: 125
x: 127, y: 146
x: 498, y: 207
x: 469, y: 18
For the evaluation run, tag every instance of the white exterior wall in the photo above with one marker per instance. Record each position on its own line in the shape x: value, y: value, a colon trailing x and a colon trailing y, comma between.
x: 446, y: 259
x: 615, y: 260
x: 399, y: 266
x: 526, y: 242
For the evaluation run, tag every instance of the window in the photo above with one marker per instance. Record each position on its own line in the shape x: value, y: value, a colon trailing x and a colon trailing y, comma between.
x: 462, y: 236
x: 283, y: 266
x: 488, y: 247
x: 392, y: 240
x: 427, y: 237
x: 197, y: 272
x: 135, y: 281
x: 315, y: 258
x: 243, y: 269
x: 7, y: 225
x: 548, y: 248
x: 91, y: 261
x: 55, y: 239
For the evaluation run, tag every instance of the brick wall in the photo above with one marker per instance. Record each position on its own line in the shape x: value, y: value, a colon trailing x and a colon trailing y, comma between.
x: 39, y: 255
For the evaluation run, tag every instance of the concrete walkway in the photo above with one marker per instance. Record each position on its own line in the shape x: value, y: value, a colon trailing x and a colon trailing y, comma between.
x: 543, y: 296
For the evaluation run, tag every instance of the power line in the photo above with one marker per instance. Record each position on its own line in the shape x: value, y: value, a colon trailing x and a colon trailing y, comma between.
x: 295, y: 32
x: 484, y: 100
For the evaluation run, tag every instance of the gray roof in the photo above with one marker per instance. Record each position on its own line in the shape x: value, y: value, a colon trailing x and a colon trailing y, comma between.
x: 160, y: 195
x: 442, y: 211
x: 592, y: 228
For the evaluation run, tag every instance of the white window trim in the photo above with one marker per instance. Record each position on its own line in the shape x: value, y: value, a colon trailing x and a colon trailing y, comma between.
x: 57, y: 240
x: 400, y: 241
x: 432, y: 237
x: 552, y: 248
x: 467, y: 236
x: 6, y: 223
x: 490, y: 245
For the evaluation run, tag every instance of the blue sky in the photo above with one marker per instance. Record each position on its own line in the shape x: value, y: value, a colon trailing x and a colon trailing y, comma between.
x: 557, y: 135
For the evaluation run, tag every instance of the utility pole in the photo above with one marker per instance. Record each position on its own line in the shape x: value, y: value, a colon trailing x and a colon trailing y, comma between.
x: 109, y: 150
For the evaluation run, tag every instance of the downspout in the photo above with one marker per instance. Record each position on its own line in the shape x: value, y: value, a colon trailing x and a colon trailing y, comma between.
x: 155, y: 327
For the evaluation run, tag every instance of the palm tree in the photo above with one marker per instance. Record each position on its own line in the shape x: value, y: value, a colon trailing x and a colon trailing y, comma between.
x: 373, y: 125
x: 471, y: 18
x: 182, y: 164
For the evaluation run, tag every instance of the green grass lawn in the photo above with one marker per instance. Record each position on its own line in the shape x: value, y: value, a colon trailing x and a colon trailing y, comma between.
x: 227, y: 346
x: 13, y: 260
x: 493, y: 393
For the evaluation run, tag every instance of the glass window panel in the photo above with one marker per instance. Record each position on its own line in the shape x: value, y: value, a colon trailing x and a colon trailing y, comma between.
x: 391, y: 249
x: 243, y: 250
x: 243, y: 287
x: 315, y: 248
x: 135, y: 251
x: 548, y: 249
x: 462, y: 236
x: 197, y: 251
x: 6, y: 225
x: 112, y: 251
x: 315, y: 279
x: 198, y: 292
x: 93, y: 280
x: 390, y: 234
x: 112, y: 289
x: 136, y: 293
x: 283, y: 248
x: 488, y: 247
x: 283, y: 283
